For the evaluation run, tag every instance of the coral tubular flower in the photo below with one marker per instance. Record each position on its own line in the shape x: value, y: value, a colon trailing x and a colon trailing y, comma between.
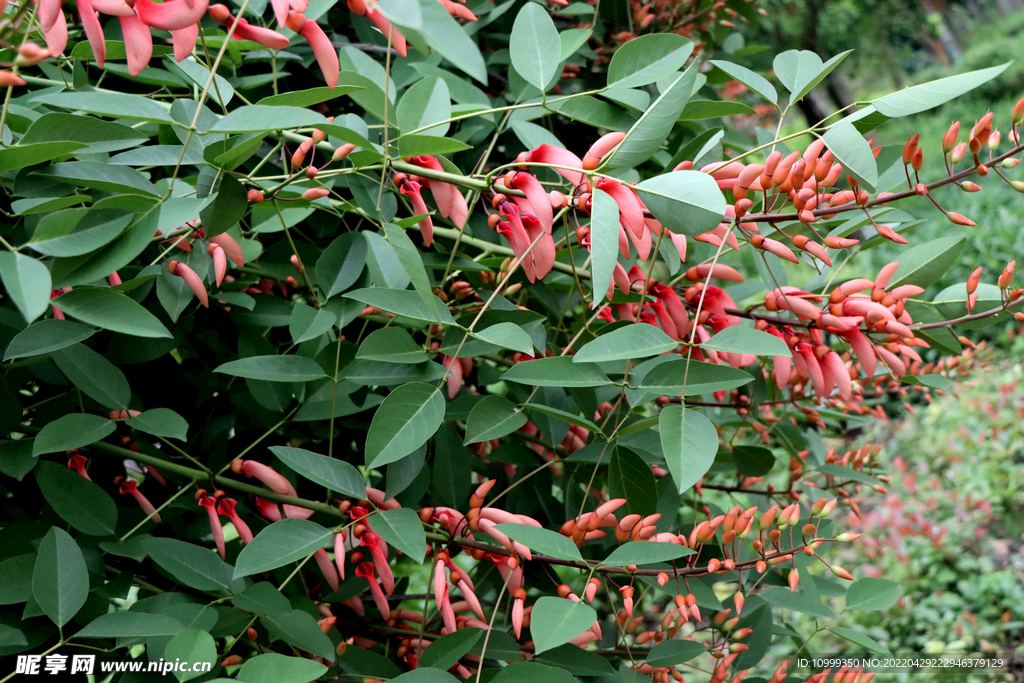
x: 412, y: 191
x: 323, y: 560
x: 77, y: 463
x: 549, y: 154
x: 216, y: 528
x: 597, y: 152
x: 172, y: 15
x: 226, y: 506
x: 268, y: 509
x: 380, y: 559
x: 323, y: 50
x: 193, y: 280
x: 220, y: 262
x: 231, y: 248
x: 538, y: 199
x: 245, y: 31
x: 339, y: 553
x: 365, y: 570
x: 131, y: 487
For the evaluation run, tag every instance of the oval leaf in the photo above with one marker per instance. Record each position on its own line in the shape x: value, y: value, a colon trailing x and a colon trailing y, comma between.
x: 689, y: 442
x: 645, y: 552
x: 737, y: 339
x: 556, y: 621
x: 280, y: 543
x: 27, y: 282
x: 871, y: 595
x: 535, y: 47
x: 112, y: 311
x: 60, y: 582
x: 632, y: 341
x: 337, y: 475
x: 404, y: 421
x: 71, y: 431
x: 81, y: 503
x: 274, y: 368
x: 402, y: 528
x: 492, y: 418
x: 557, y: 371
x: 45, y: 336
x: 544, y: 541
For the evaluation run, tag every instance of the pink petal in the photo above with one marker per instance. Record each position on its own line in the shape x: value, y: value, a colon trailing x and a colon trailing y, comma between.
x: 114, y: 8
x: 57, y: 35
x: 184, y: 41
x: 138, y: 43
x: 326, y: 56
x: 93, y: 31
x: 549, y: 154
x: 172, y: 15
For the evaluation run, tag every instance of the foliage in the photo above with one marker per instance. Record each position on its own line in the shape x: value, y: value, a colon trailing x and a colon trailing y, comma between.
x: 446, y: 342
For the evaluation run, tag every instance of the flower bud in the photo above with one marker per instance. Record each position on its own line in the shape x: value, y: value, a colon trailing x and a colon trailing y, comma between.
x: 958, y: 153
x: 315, y: 193
x: 951, y: 137
x: 1007, y: 275
x: 254, y: 196
x: 968, y: 186
x: 1017, y: 113
x: 959, y: 219
x: 847, y: 537
x: 910, y: 149
x: 1012, y: 162
x: 918, y: 160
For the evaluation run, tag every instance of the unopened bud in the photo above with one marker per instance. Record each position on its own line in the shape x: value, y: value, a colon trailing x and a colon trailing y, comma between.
x: 315, y: 193
x: 968, y: 186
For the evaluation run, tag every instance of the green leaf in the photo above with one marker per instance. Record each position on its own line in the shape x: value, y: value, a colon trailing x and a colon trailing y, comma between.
x: 259, y: 118
x: 227, y: 208
x: 405, y: 13
x: 858, y: 638
x: 630, y: 477
x: 700, y: 110
x: 195, y: 646
x: 274, y: 368
x: 426, y: 103
x: 404, y: 421
x: 922, y: 97
x: 645, y: 552
x: 753, y: 461
x: 99, y: 135
x: 71, y: 431
x: 309, y: 323
x: 427, y: 675
x: 647, y: 59
x: 341, y: 264
x: 432, y: 145
x: 543, y: 541
x: 401, y: 302
x: 531, y: 672
x: 801, y: 70
x: 737, y: 339
x: 27, y: 282
x: 872, y: 595
x: 557, y: 371
x: 632, y: 341
x: 100, y: 176
x: 571, y: 40
x: 110, y: 310
x: 535, y: 46
x: 22, y: 155
x: 16, y: 579
x: 262, y: 598
x: 131, y: 625
x: 279, y: 544
x: 925, y: 264
x: 300, y: 629
x: 853, y: 152
x: 337, y: 475
x: 108, y: 103
x: 160, y: 422
x: 391, y: 345
x: 409, y: 258
x: 507, y: 336
x: 275, y: 668
x: 564, y: 416
x: 492, y: 418
x: 576, y: 661
x: 60, y: 582
x: 307, y: 98
x: 799, y: 602
x: 81, y: 503
x: 843, y: 472
x: 87, y: 268
x: 401, y: 528
x: 556, y: 621
x: 446, y: 651
x: 604, y: 242
x: 594, y: 112
x: 94, y: 375
x: 445, y: 35
x: 689, y: 442
x: 686, y: 202
x: 674, y: 652
x: 672, y: 378
x: 74, y: 232
x: 649, y: 132
x: 757, y: 83
x: 190, y: 564
x: 932, y: 380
